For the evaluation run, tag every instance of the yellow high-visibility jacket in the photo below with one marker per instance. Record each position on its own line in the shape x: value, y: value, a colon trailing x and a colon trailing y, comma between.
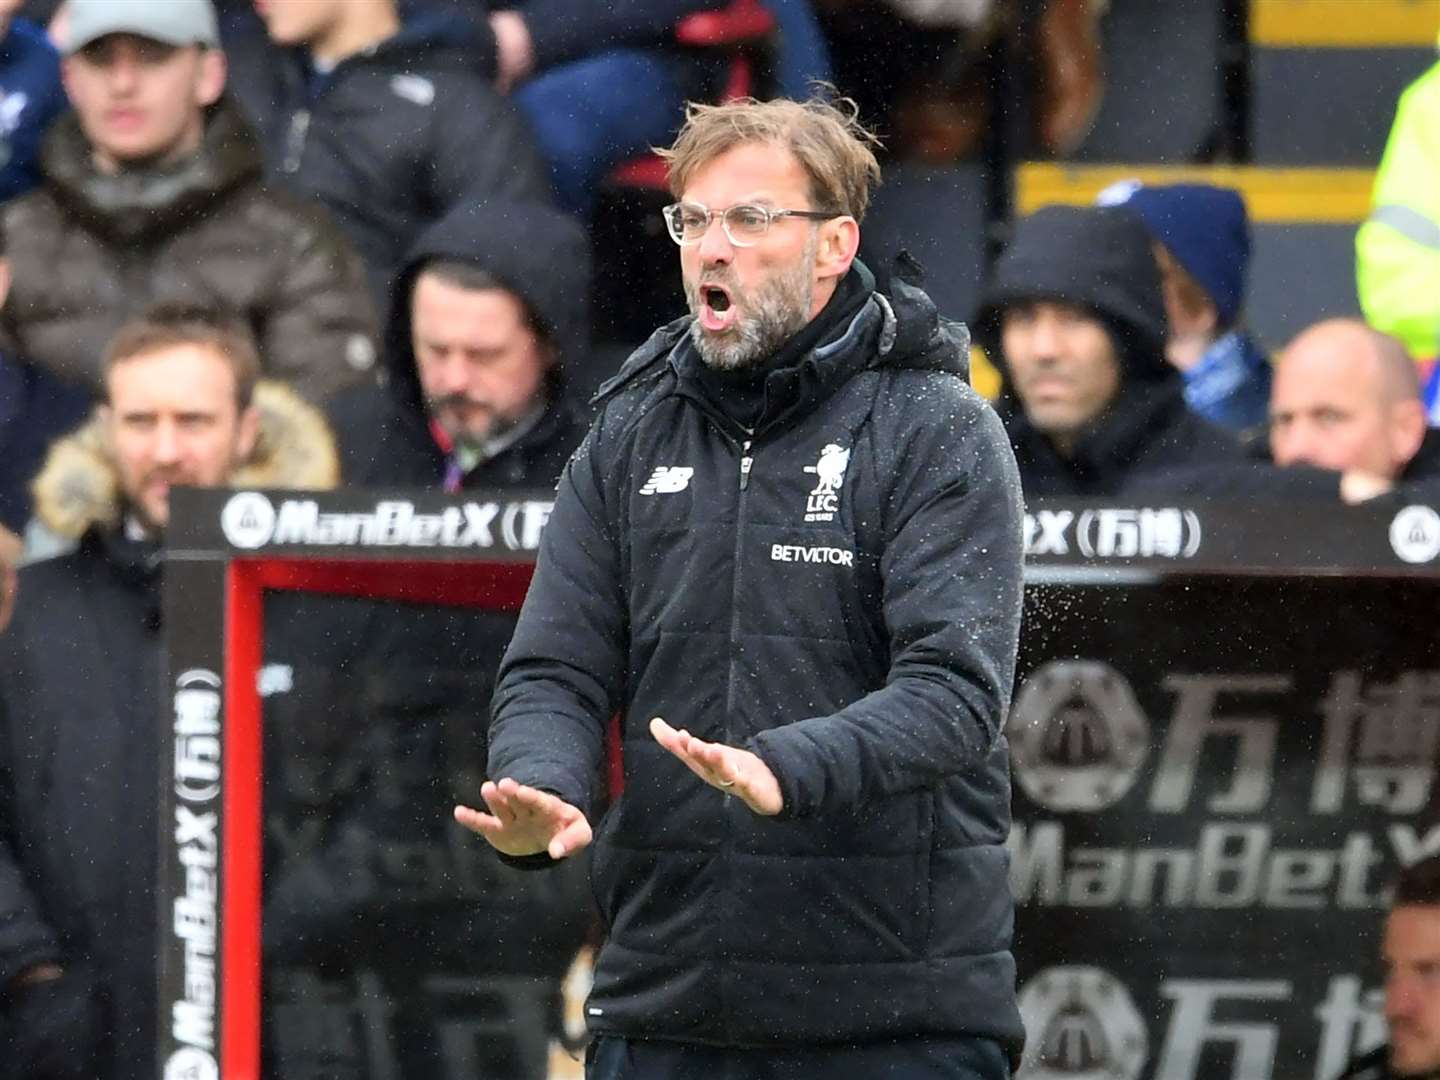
x: 1397, y: 264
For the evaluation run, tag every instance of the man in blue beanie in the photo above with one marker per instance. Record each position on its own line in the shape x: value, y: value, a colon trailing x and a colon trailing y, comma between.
x: 1202, y: 243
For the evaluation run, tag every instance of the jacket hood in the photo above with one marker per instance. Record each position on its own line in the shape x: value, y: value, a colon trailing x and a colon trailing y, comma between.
x: 138, y: 205
x: 539, y: 254
x: 1099, y: 258
x: 923, y: 337
x: 79, y: 485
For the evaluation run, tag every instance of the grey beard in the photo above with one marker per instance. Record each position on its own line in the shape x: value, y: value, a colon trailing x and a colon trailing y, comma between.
x: 777, y: 311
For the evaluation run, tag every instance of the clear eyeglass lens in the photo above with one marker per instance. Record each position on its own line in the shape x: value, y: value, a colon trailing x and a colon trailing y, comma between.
x: 691, y: 221
x: 747, y: 222
x: 744, y: 223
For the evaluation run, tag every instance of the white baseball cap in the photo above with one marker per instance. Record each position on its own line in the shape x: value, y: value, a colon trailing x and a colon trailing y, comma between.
x: 172, y: 22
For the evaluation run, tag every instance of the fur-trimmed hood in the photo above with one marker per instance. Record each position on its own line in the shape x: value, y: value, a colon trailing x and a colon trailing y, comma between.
x: 79, y: 486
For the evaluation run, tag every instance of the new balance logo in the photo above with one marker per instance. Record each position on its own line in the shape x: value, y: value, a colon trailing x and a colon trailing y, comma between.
x: 668, y: 479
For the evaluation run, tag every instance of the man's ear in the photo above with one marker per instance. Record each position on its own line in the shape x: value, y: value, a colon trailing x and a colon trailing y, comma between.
x: 247, y: 434
x: 839, y: 244
x: 1407, y: 430
x: 210, y: 83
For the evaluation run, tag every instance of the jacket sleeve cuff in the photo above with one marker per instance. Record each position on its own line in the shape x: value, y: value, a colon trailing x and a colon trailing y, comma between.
x: 541, y: 860
x: 780, y: 759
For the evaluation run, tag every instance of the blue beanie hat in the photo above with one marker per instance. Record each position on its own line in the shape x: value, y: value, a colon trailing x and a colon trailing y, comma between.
x: 1205, y: 228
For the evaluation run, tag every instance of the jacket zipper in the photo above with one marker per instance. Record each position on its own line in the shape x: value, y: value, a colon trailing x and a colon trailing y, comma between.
x: 747, y: 461
x: 295, y: 140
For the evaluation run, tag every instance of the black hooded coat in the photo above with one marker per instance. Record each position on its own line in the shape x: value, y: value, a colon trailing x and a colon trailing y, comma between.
x: 1101, y: 260
x: 543, y: 257
x: 838, y: 591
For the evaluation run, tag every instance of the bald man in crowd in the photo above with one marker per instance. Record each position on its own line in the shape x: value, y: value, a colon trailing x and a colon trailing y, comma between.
x: 1346, y: 397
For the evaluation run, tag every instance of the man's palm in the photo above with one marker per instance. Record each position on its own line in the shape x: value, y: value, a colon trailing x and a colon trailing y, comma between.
x: 526, y: 821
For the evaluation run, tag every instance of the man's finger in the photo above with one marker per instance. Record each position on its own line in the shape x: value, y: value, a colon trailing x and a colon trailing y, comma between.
x: 513, y: 800
x: 677, y: 742
x: 571, y: 838
x: 498, y: 801
x: 711, y: 762
x: 477, y: 821
x: 715, y: 759
x: 537, y: 801
x: 664, y: 734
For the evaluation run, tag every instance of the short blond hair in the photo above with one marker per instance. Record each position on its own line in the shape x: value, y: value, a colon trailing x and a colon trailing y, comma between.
x: 825, y: 135
x: 168, y: 324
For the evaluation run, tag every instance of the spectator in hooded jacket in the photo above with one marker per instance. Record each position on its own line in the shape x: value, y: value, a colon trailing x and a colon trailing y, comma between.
x: 1076, y: 320
x: 1202, y: 242
x: 152, y: 192
x: 31, y: 97
x: 385, y: 121
x: 485, y: 316
x: 487, y: 312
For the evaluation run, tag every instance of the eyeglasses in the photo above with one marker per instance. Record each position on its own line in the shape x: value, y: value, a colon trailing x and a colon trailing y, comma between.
x: 745, y: 224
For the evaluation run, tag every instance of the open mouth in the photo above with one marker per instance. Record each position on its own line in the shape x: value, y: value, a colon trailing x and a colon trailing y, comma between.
x: 717, y: 311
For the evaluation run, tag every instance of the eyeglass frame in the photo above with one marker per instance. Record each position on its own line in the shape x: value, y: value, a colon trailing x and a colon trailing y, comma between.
x: 711, y: 215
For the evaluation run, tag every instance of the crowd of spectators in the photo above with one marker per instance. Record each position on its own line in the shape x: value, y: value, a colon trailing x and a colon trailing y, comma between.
x: 369, y: 219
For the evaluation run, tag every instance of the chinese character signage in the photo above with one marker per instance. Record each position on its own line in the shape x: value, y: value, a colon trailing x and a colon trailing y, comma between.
x: 1215, y: 783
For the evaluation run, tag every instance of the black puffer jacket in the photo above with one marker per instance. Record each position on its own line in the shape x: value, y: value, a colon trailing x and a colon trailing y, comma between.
x: 87, y: 251
x: 866, y: 654
x: 78, y: 769
x: 395, y: 137
x: 1100, y: 259
x: 542, y: 256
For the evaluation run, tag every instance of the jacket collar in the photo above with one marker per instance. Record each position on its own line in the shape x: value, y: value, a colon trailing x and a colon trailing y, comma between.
x: 537, y: 438
x: 142, y: 204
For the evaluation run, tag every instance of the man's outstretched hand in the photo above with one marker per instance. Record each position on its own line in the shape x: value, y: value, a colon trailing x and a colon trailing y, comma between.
x: 731, y: 770
x: 526, y: 821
